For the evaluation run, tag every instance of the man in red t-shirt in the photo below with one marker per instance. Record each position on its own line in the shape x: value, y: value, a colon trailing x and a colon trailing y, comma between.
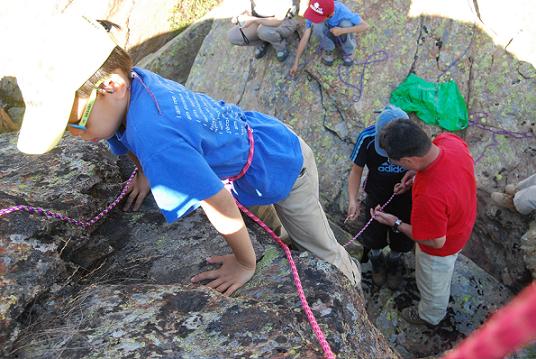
x: 441, y: 175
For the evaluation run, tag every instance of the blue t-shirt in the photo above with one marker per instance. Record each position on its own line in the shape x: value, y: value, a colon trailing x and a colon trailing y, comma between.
x: 340, y: 13
x: 193, y: 142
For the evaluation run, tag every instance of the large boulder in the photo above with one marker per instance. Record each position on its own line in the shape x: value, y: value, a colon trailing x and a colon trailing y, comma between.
x: 328, y: 106
x: 123, y: 287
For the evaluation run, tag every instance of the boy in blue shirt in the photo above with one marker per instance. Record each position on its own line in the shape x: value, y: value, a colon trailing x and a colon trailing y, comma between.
x: 334, y: 25
x: 183, y: 143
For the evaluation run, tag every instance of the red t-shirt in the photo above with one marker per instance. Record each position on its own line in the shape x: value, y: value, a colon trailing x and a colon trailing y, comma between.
x: 444, y: 197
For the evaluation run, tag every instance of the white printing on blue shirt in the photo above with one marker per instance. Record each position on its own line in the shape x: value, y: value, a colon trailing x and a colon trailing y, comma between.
x: 195, y: 142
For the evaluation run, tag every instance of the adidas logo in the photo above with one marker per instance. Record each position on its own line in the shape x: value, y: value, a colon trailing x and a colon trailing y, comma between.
x: 316, y: 8
x: 387, y: 167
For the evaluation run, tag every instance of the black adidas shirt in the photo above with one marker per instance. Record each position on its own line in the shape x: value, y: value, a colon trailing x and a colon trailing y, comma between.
x: 382, y: 175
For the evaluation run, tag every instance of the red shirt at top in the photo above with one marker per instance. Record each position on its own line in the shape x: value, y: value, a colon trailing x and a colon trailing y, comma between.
x: 444, y: 197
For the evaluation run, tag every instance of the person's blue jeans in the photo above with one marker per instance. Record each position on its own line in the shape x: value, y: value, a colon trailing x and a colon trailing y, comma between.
x: 328, y: 41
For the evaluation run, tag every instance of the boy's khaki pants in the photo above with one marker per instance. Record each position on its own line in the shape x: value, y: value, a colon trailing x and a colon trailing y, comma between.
x: 305, y: 221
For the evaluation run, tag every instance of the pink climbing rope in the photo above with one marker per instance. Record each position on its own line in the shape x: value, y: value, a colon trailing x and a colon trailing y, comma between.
x: 80, y: 223
x: 85, y: 224
x: 369, y: 221
x: 295, y: 276
x: 297, y: 282
x: 510, y: 328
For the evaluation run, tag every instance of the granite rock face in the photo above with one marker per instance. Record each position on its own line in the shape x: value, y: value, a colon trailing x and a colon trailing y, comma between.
x: 123, y: 287
x: 329, y: 106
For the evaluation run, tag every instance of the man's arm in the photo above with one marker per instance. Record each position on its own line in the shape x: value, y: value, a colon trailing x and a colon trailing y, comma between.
x: 238, y: 268
x: 406, y: 228
x: 301, y: 48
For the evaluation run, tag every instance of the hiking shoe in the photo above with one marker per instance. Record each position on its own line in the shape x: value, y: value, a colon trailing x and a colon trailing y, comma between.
x: 348, y: 59
x: 411, y: 315
x: 327, y: 58
x: 510, y: 189
x: 378, y: 269
x: 503, y: 200
x: 282, y: 55
x: 395, y: 272
x: 261, y: 50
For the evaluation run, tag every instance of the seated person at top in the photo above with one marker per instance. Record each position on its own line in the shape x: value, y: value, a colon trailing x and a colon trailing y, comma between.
x: 264, y: 23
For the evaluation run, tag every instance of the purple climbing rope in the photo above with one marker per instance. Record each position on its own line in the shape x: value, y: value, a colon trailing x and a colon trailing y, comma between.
x: 375, y: 57
x: 80, y: 223
x: 477, y: 123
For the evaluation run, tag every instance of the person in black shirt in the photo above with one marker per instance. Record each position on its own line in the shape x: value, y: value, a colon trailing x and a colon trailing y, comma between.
x: 381, y: 179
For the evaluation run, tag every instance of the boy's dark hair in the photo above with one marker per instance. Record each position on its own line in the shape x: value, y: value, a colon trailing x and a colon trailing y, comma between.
x: 118, y: 59
x: 402, y: 138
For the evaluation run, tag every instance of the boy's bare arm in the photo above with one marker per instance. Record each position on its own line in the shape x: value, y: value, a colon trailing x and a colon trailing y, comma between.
x: 139, y: 189
x: 354, y: 184
x: 338, y: 31
x: 301, y: 48
x: 238, y: 268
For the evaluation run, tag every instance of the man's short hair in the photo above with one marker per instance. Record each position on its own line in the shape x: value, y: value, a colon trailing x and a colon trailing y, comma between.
x: 404, y: 139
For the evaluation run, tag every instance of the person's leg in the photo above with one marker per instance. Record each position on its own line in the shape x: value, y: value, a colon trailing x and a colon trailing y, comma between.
x: 398, y: 242
x: 527, y: 182
x: 235, y: 37
x: 268, y: 215
x: 305, y: 221
x: 277, y: 36
x: 327, y: 44
x: 433, y: 275
x: 347, y: 43
x: 525, y: 199
x: 375, y: 239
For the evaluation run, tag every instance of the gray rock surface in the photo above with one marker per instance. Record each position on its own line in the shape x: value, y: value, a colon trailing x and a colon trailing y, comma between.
x: 123, y: 289
x: 328, y: 106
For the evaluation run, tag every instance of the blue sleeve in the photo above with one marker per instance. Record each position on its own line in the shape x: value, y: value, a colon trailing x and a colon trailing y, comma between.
x: 180, y: 178
x: 356, y: 19
x: 116, y: 146
x: 359, y: 153
x: 308, y: 24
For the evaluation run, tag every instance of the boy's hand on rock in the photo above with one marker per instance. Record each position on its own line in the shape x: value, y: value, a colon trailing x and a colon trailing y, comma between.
x: 138, y: 190
x: 293, y: 70
x: 229, y: 277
